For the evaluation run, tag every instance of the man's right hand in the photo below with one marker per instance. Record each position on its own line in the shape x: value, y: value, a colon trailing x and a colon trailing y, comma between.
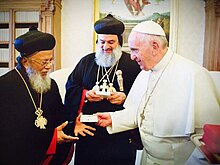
x: 104, y: 119
x: 91, y: 96
x: 62, y: 137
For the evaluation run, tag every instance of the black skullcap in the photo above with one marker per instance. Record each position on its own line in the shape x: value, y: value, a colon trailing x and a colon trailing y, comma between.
x: 109, y: 25
x: 34, y: 41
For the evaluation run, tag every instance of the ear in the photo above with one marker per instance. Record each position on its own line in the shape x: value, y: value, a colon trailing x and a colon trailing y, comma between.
x: 155, y: 46
x: 24, y: 62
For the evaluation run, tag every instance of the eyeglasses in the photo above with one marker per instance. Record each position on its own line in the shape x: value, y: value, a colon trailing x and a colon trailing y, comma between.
x: 43, y: 63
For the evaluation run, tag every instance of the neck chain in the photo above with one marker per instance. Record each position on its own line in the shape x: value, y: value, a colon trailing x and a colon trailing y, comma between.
x: 151, y: 93
x: 107, y: 75
x: 40, y: 120
x: 107, y: 86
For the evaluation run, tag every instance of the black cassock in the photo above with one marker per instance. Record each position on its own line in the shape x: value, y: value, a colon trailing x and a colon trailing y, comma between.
x: 103, y: 148
x: 21, y: 142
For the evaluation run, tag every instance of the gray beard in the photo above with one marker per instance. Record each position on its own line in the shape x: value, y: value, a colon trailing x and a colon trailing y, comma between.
x: 38, y: 83
x: 106, y: 59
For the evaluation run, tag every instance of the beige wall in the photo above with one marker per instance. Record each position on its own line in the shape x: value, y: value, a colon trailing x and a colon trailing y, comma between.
x: 191, y: 29
x: 76, y: 30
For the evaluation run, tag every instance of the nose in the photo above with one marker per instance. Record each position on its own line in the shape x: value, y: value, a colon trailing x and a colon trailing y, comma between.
x: 48, y: 66
x: 106, y: 46
x: 133, y: 57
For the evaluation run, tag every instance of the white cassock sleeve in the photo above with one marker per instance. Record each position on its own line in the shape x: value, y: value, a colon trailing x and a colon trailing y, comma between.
x: 128, y: 118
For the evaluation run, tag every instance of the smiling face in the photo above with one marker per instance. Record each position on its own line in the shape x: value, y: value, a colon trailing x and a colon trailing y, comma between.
x: 147, y: 50
x: 142, y: 50
x: 108, y: 42
x: 108, y: 50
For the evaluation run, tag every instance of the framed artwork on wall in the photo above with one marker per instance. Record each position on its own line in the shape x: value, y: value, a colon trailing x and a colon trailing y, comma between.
x: 132, y: 12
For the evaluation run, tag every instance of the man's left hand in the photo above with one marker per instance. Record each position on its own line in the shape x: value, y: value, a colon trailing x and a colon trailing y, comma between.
x: 82, y: 129
x: 117, y: 98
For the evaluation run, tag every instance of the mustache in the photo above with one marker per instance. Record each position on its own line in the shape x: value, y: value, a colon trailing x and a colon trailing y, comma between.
x: 107, y: 59
x: 107, y: 49
x: 38, y: 83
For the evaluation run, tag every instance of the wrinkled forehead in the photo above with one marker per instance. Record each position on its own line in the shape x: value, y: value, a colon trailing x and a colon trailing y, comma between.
x: 135, y: 37
x: 43, y: 55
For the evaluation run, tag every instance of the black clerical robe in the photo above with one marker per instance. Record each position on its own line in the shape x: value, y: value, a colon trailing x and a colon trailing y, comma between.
x: 21, y: 142
x: 102, y: 148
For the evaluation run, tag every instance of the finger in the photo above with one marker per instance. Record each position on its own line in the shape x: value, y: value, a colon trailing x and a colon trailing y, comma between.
x: 72, y: 138
x: 93, y: 95
x: 109, y: 97
x: 100, y: 114
x: 103, y: 124
x: 60, y: 127
x: 89, y: 133
x: 112, y: 94
x: 100, y: 123
x: 82, y: 133
x: 76, y: 133
x: 90, y: 128
x: 79, y: 116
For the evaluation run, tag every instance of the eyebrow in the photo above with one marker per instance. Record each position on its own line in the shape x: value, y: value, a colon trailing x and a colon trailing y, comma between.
x: 107, y: 40
x: 45, y: 59
x: 133, y: 48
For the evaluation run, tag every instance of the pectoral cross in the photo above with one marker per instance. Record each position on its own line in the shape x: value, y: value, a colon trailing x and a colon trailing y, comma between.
x: 40, y: 121
x: 144, y: 109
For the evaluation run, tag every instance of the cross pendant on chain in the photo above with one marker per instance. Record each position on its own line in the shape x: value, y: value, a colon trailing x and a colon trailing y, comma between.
x: 38, y: 112
x: 142, y: 113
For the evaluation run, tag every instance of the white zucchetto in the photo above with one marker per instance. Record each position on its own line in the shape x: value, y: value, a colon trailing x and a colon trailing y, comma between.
x: 149, y: 27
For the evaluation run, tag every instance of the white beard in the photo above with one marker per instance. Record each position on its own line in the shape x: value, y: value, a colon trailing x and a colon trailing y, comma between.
x: 106, y: 59
x: 38, y: 83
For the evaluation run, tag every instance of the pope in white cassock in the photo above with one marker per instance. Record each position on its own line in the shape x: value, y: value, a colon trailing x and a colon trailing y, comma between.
x: 171, y: 99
